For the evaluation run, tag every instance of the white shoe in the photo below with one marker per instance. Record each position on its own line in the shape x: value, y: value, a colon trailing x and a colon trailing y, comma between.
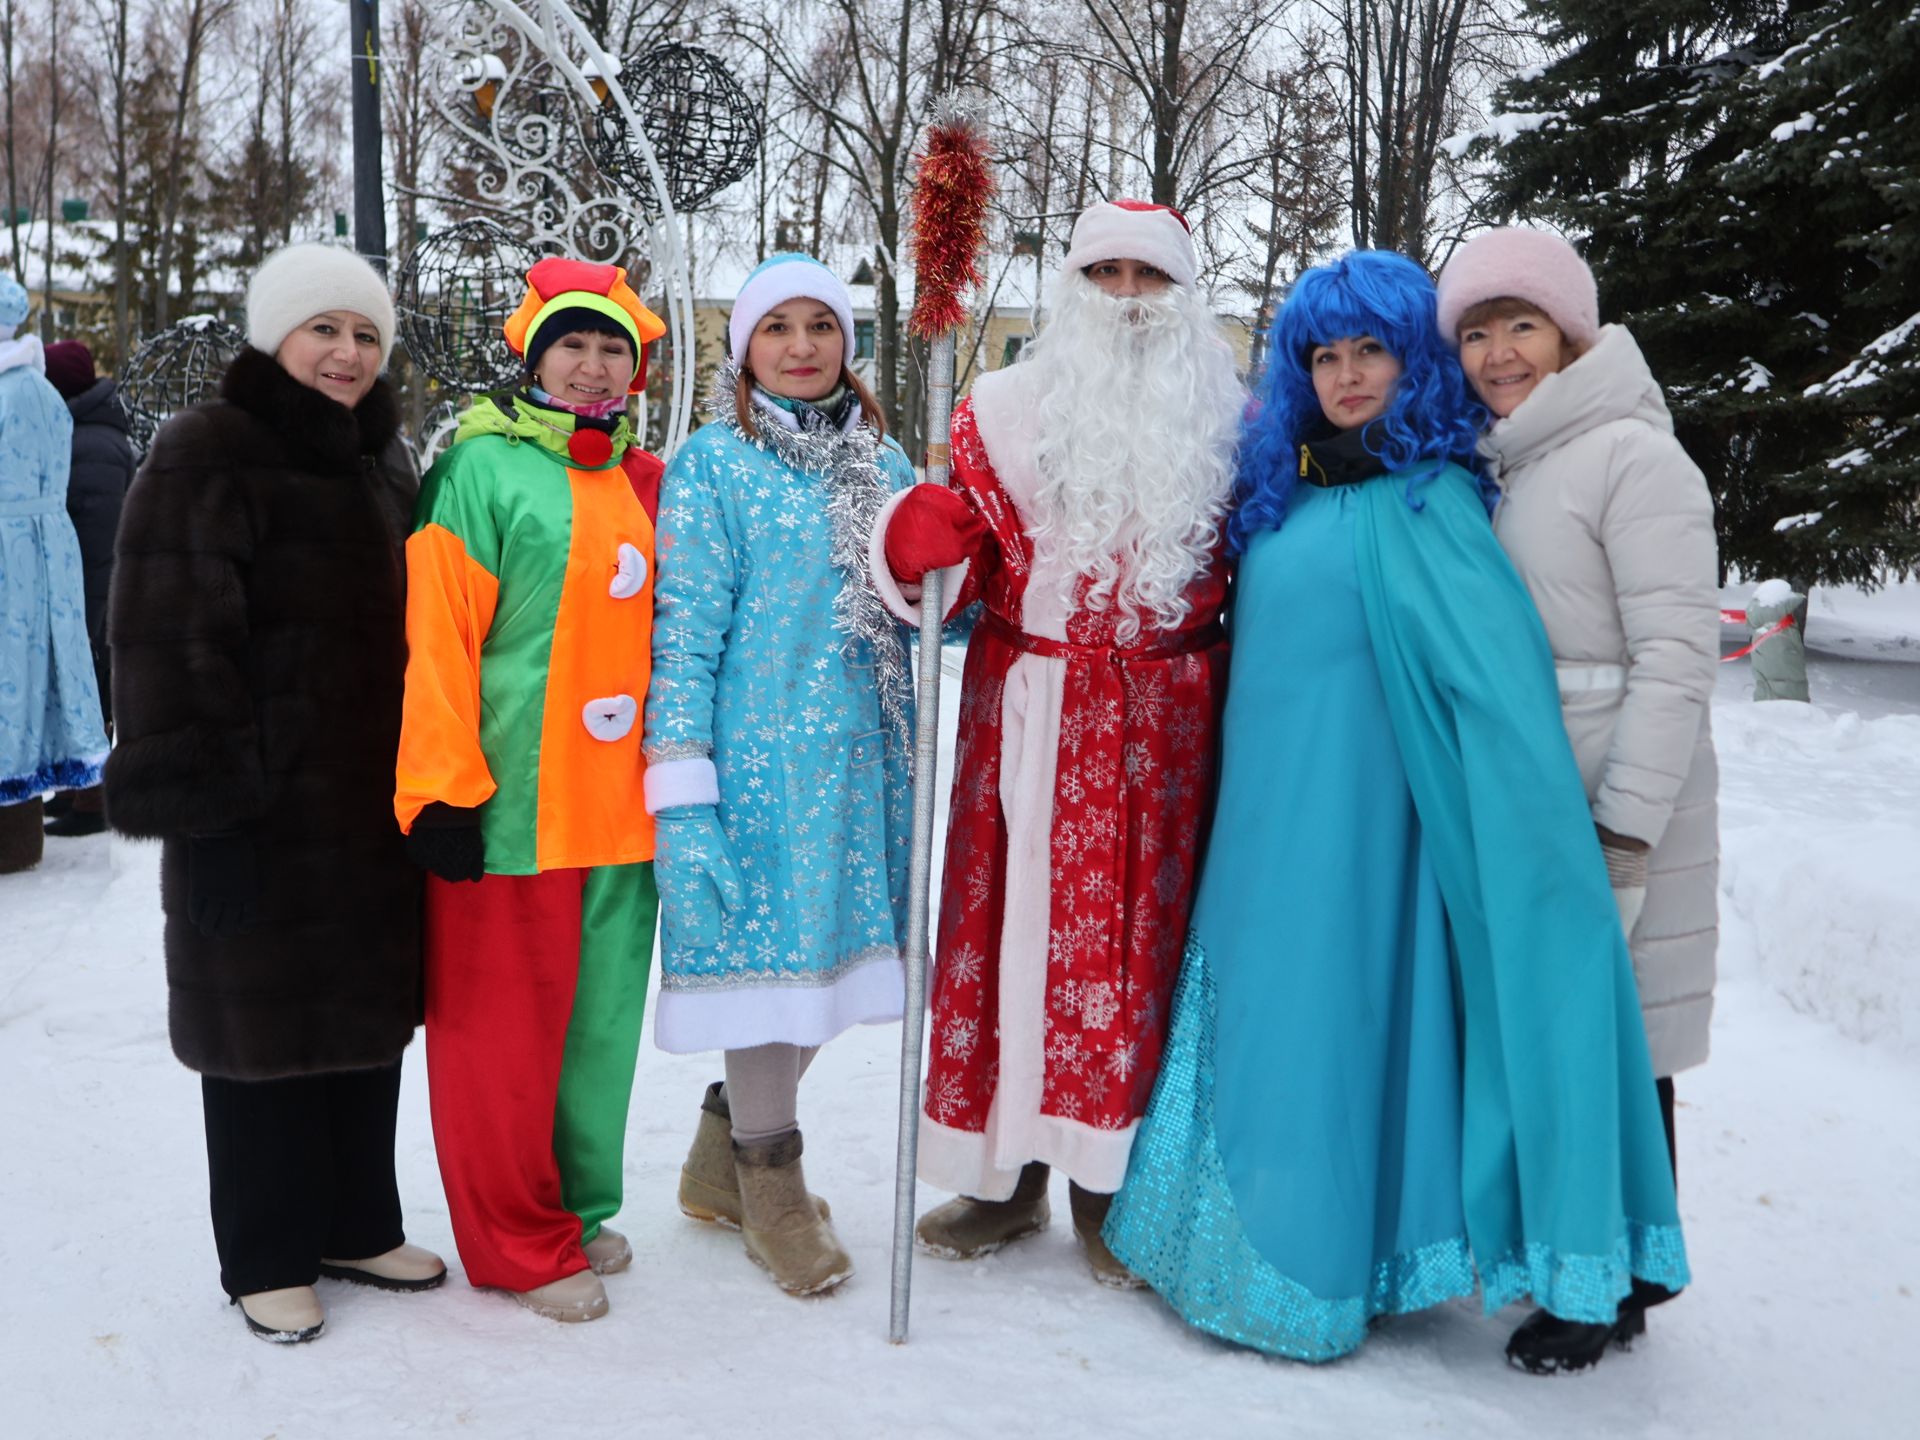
x: 405, y: 1268
x: 608, y: 1252
x: 573, y: 1298
x: 286, y: 1317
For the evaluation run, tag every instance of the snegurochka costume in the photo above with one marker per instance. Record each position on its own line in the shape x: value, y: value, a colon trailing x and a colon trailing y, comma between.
x: 529, y: 622
x: 780, y: 697
x: 1406, y: 1052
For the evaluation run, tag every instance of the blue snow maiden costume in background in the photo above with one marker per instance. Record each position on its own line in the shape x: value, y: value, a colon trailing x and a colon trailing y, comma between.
x: 51, y: 736
x: 1406, y: 1046
x: 774, y: 658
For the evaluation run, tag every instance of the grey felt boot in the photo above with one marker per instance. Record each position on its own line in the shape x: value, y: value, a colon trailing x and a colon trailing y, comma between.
x: 709, y: 1186
x: 780, y: 1222
x: 966, y: 1228
x: 1089, y: 1214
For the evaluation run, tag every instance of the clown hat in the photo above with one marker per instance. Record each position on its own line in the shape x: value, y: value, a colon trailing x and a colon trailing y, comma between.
x: 565, y: 296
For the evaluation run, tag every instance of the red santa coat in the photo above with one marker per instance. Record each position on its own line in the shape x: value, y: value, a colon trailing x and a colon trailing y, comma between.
x: 1079, y: 795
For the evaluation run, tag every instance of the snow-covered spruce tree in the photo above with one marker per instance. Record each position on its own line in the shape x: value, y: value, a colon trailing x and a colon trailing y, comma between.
x: 1745, y: 180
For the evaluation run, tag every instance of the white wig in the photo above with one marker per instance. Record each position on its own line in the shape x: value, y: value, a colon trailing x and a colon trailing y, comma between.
x: 1138, y: 412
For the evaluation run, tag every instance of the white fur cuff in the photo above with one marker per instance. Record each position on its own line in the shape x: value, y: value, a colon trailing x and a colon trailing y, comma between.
x: 671, y: 784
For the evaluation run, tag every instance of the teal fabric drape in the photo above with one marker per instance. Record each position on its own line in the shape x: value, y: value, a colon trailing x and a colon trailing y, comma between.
x: 1567, y: 1183
x: 1281, y: 1189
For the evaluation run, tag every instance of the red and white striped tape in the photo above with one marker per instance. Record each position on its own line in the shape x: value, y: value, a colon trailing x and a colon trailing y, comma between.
x: 1760, y: 637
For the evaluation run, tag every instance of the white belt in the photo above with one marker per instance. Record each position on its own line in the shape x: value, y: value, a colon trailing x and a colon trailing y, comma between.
x: 1576, y: 678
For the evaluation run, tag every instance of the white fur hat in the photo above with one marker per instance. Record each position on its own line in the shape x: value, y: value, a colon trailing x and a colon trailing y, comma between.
x: 297, y: 282
x: 1135, y: 230
x: 778, y: 279
x: 1521, y: 264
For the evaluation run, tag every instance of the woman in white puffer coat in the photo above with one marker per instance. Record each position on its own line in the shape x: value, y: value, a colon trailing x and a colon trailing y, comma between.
x: 1611, y: 527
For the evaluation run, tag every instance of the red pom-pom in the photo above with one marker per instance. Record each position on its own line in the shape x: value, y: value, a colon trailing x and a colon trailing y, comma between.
x: 590, y: 447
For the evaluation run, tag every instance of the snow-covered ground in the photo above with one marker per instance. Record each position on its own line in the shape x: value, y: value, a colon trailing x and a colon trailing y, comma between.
x: 1799, y: 1166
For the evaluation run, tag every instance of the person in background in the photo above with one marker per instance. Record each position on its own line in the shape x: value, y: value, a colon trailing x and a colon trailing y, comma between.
x: 258, y: 626
x: 1611, y: 526
x: 51, y: 736
x: 102, y: 470
x: 779, y: 724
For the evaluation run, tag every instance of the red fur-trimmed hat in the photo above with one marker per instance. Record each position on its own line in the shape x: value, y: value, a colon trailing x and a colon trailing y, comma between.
x: 1135, y: 230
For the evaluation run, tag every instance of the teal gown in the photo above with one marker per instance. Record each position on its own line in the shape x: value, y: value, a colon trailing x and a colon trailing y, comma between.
x: 1404, y: 974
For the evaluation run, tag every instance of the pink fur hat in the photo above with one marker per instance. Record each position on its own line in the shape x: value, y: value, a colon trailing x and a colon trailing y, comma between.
x: 1530, y: 265
x: 1135, y: 230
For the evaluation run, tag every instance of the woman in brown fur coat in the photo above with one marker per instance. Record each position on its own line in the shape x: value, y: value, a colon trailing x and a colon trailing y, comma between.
x: 258, y: 632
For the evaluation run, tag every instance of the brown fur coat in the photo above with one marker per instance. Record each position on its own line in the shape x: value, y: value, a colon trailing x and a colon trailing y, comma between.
x: 258, y: 629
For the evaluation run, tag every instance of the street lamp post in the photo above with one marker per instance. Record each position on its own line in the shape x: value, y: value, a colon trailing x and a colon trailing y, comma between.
x: 369, y: 195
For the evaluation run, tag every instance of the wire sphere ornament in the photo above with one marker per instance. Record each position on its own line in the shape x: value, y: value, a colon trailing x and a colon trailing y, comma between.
x: 704, y: 127
x: 454, y: 293
x: 180, y: 366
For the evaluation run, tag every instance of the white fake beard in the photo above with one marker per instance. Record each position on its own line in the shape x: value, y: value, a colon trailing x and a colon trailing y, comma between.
x: 1138, y: 416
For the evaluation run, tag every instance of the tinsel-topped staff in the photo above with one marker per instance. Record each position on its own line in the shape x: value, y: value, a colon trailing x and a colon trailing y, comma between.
x: 952, y: 184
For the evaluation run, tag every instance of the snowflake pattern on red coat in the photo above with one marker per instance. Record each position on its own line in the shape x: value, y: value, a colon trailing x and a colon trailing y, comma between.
x: 1134, y: 775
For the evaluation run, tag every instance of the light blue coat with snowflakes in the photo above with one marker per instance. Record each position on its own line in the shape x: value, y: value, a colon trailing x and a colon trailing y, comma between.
x: 51, y: 733
x: 770, y: 659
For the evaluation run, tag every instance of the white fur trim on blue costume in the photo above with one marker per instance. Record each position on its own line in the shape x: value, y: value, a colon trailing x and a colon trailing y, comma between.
x: 670, y: 784
x: 781, y: 278
x: 738, y: 1017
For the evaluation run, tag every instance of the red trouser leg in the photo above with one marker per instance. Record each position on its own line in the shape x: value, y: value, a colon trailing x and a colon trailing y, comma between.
x: 503, y: 957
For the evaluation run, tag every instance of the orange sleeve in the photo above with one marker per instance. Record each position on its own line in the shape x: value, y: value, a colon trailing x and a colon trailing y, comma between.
x: 450, y: 603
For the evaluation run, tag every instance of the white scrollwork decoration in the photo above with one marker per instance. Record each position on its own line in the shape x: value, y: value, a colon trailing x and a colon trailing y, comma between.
x: 516, y: 81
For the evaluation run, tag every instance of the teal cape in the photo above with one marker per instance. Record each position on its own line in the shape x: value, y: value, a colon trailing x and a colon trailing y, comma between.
x: 1566, y: 1189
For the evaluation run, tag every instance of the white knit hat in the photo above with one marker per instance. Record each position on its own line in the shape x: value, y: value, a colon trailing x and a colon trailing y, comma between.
x: 297, y: 282
x: 1135, y: 230
x: 775, y: 281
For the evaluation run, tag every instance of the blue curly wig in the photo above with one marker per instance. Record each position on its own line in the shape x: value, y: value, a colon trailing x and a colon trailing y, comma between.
x: 1432, y: 415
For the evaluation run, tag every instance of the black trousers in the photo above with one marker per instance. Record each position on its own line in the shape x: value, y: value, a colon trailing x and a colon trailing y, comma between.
x: 300, y: 1169
x: 1645, y: 1293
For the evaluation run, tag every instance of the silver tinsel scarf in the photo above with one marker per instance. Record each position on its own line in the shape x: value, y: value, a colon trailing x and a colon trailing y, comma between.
x: 847, y: 466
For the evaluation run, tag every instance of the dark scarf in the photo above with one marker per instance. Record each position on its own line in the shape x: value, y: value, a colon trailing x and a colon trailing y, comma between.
x: 321, y: 433
x: 1339, y: 457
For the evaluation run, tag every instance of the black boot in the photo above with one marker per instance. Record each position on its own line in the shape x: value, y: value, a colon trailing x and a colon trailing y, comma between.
x: 22, y: 840
x: 1547, y: 1345
x: 83, y: 813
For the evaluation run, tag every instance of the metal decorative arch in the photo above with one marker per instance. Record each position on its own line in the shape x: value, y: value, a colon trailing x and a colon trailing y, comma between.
x: 453, y: 296
x: 177, y: 367
x: 530, y: 91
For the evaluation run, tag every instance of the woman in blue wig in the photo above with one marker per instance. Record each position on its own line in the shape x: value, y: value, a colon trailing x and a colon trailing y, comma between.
x: 1406, y: 1052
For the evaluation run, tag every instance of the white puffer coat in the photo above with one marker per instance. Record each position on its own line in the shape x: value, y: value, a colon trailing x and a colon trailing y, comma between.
x: 1611, y: 526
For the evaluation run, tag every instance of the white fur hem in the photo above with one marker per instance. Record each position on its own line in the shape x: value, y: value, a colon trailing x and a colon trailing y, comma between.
x: 904, y: 600
x: 1029, y: 757
x: 686, y: 1022
x: 958, y: 1160
x: 670, y: 784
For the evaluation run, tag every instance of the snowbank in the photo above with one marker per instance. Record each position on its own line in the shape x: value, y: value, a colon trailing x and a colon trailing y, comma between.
x: 1820, y: 835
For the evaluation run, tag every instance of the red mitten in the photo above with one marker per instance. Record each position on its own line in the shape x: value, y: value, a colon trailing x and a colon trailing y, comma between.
x: 932, y: 529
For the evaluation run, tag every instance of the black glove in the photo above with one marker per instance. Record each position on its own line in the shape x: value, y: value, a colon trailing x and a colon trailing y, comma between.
x: 445, y: 841
x: 223, y: 884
